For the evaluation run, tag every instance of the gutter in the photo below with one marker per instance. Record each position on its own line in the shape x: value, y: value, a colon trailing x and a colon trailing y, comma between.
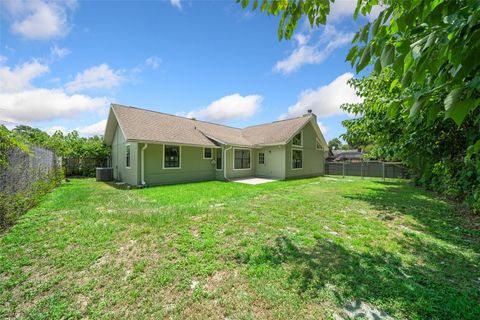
x: 143, y: 163
x: 225, y: 162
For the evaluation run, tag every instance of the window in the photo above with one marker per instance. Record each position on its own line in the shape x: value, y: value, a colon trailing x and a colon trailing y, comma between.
x: 297, y: 139
x: 171, y: 157
x: 319, y: 145
x: 261, y: 158
x: 219, y: 159
x: 297, y: 159
x: 242, y: 159
x: 127, y: 156
x: 207, y: 153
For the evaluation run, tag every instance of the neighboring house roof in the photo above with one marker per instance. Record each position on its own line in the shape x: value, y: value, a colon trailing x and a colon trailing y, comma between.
x: 346, y: 154
x: 145, y: 125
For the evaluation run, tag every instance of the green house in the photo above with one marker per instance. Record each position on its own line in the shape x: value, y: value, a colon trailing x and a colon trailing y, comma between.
x: 152, y: 148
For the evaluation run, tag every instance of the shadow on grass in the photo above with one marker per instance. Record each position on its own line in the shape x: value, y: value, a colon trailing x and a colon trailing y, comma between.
x: 435, y: 216
x: 378, y: 278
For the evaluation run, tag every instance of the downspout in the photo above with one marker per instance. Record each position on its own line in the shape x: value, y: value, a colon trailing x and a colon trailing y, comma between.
x: 143, y: 163
x: 225, y: 162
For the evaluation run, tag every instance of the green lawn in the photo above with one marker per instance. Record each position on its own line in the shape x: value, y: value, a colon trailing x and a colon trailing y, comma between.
x: 290, y: 250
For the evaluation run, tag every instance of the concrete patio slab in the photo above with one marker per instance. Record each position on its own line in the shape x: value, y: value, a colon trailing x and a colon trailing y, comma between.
x: 253, y: 181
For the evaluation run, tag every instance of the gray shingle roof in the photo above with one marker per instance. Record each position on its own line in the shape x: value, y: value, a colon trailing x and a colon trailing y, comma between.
x: 145, y: 125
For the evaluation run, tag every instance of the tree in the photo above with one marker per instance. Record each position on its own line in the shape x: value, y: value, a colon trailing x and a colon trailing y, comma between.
x: 8, y: 141
x: 335, y: 144
x: 433, y: 47
x: 435, y: 150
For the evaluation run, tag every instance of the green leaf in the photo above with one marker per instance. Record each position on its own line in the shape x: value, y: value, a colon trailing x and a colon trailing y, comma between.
x: 432, y: 112
x: 255, y: 5
x: 386, y: 58
x: 351, y: 53
x: 364, y: 59
x: 459, y: 110
x: 244, y: 3
x: 476, y: 146
x: 408, y: 62
x: 264, y: 5
x: 377, y: 67
x: 393, y: 84
x: 407, y: 79
x: 398, y: 64
x: 393, y: 108
x: 452, y: 98
x: 416, y: 107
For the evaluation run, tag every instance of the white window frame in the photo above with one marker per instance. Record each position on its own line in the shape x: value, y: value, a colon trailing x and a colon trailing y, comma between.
x: 179, y: 155
x: 263, y: 158
x: 129, y: 147
x: 317, y: 143
x: 211, y: 153
x: 301, y: 139
x: 249, y: 168
x: 291, y: 159
x: 216, y: 158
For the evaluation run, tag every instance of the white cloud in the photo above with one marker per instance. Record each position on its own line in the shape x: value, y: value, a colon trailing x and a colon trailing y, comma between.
x: 95, y: 129
x: 306, y: 53
x: 153, y: 62
x: 39, y: 19
x: 176, y: 3
x: 98, y: 77
x: 345, y: 8
x: 19, y: 78
x: 323, y: 128
x: 58, y: 53
x: 46, y: 104
x: 326, y: 100
x: 22, y: 103
x: 232, y: 107
x: 3, y: 59
x: 53, y: 129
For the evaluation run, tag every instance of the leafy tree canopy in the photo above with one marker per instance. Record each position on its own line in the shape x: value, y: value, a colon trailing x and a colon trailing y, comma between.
x: 432, y: 46
x: 335, y: 144
x: 67, y: 145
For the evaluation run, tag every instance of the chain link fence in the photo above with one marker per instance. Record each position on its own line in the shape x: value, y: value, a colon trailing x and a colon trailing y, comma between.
x: 377, y: 169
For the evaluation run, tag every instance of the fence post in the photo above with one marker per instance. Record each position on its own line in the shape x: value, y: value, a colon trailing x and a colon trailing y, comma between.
x: 343, y: 169
x: 361, y: 169
x: 383, y: 170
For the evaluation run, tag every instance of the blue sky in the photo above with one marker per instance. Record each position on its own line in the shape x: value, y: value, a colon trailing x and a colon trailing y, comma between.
x: 63, y: 62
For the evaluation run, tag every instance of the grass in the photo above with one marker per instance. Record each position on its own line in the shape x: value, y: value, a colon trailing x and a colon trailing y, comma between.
x: 284, y: 250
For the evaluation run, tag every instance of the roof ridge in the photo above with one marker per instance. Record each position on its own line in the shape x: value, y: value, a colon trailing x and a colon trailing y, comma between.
x: 174, y: 115
x: 276, y: 121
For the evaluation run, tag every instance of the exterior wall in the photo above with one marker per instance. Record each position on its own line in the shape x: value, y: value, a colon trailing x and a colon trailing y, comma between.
x: 242, y: 173
x: 274, y: 166
x: 219, y: 173
x: 192, y: 166
x: 120, y: 170
x: 313, y: 159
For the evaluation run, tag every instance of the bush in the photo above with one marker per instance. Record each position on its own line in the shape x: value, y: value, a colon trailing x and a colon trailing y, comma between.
x: 12, y: 206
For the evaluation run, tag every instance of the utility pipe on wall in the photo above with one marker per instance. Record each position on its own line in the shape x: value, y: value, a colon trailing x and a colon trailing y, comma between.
x: 143, y: 163
x: 225, y: 162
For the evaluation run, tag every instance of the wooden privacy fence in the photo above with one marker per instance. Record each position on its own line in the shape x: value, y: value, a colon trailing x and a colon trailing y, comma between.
x: 82, y: 166
x: 376, y: 169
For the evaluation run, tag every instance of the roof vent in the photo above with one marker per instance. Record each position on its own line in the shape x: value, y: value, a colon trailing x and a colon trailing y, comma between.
x: 309, y: 113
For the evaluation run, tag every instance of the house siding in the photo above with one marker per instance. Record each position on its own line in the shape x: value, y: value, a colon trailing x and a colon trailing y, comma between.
x: 120, y: 170
x: 313, y: 159
x: 274, y: 166
x: 193, y: 166
x: 241, y: 173
x: 219, y: 175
